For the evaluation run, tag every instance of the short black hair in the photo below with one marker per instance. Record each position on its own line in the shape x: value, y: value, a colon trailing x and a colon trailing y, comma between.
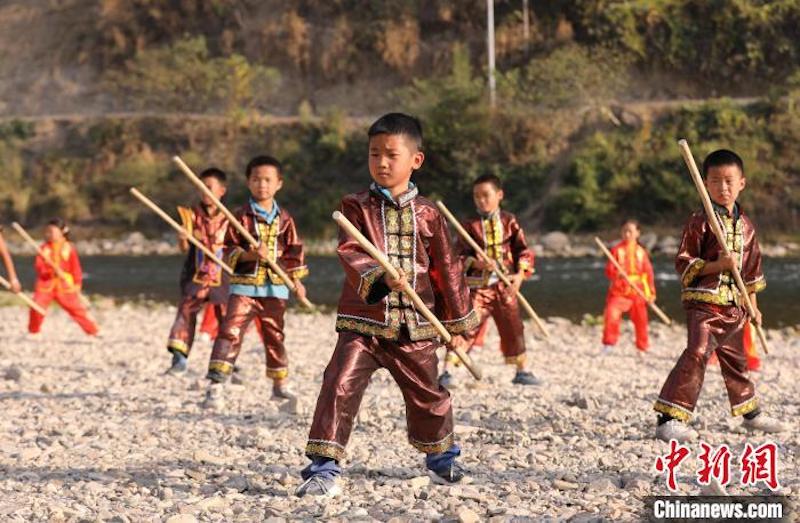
x: 262, y: 160
x: 213, y: 172
x: 398, y: 123
x: 722, y: 157
x: 489, y: 178
x: 632, y: 221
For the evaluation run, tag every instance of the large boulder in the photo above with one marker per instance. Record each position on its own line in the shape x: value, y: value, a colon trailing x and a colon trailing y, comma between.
x: 556, y: 242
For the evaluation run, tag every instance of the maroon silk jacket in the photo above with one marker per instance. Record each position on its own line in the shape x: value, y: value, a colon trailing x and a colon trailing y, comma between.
x: 699, y: 245
x: 414, y: 236
x: 282, y: 241
x: 503, y: 240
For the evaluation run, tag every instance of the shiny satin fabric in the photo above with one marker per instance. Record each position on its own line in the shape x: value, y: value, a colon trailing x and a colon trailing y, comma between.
x: 210, y: 231
x: 503, y: 307
x: 699, y: 245
x: 182, y: 333
x: 282, y: 239
x: 711, y: 328
x: 241, y: 311
x: 503, y: 240
x: 414, y: 235
x: 412, y: 364
x: 616, y: 306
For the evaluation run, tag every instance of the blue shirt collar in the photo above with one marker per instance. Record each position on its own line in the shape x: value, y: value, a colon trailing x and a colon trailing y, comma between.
x: 268, y: 216
x: 402, y: 199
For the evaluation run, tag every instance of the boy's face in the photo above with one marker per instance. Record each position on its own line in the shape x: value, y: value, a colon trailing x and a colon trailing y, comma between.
x: 392, y: 160
x: 216, y: 187
x: 629, y: 232
x: 487, y: 197
x: 264, y: 182
x: 724, y: 183
x: 53, y: 233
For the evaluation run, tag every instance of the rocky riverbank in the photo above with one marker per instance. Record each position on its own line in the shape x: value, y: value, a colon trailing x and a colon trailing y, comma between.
x: 93, y: 430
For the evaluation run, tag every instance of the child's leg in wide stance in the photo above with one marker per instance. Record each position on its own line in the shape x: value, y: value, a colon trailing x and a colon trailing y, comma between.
x: 270, y: 314
x: 429, y: 417
x: 71, y: 303
x: 35, y: 319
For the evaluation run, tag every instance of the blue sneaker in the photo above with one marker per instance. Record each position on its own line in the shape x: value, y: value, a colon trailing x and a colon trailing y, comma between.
x: 446, y: 380
x: 179, y: 363
x: 523, y: 377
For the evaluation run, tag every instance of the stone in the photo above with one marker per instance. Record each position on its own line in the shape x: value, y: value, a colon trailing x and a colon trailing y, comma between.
x: 182, y: 518
x: 466, y: 515
x: 565, y: 485
x: 419, y: 482
x: 13, y: 373
x: 556, y: 241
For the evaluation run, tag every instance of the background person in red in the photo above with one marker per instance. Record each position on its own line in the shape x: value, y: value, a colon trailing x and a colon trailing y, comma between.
x: 621, y: 297
x: 49, y: 286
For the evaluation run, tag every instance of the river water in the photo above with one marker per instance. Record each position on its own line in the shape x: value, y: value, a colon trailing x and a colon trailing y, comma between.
x: 566, y: 287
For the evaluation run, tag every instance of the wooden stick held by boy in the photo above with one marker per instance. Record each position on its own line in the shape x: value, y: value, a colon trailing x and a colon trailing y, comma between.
x: 500, y: 274
x: 239, y: 227
x: 180, y: 229
x: 22, y: 296
x: 666, y: 319
x: 715, y: 227
x: 423, y: 309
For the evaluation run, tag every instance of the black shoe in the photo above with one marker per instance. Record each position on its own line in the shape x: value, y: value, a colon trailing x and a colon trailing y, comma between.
x: 179, y: 363
x: 523, y: 377
x: 216, y: 376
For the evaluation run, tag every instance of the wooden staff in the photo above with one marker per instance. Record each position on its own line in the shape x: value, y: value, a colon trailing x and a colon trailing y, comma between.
x: 239, y: 227
x: 712, y: 220
x: 666, y: 319
x: 481, y: 253
x: 175, y: 225
x: 345, y: 224
x: 58, y: 270
x: 22, y: 296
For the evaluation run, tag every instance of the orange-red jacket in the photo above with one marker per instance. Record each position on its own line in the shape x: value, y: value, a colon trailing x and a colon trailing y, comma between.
x: 633, y: 258
x: 64, y: 255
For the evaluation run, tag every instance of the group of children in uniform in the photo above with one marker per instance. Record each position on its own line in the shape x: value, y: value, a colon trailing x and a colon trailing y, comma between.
x: 377, y: 325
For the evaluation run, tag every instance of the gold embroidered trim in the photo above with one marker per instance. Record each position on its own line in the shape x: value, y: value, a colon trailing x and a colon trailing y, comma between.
x: 223, y: 367
x: 366, y: 328
x: 268, y: 234
x: 299, y: 273
x: 692, y: 271
x: 678, y: 413
x: 725, y: 295
x: 233, y: 257
x: 179, y: 346
x: 516, y: 360
x: 463, y: 325
x: 368, y: 279
x: 325, y: 450
x: 745, y: 408
x: 756, y: 286
x: 277, y: 374
x: 436, y: 446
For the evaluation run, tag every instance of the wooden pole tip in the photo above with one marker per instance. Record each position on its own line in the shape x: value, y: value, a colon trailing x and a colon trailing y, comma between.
x: 336, y: 215
x: 683, y: 143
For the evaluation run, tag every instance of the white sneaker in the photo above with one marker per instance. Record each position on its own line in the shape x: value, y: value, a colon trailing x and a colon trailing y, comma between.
x: 606, y: 350
x: 764, y: 423
x: 677, y: 430
x: 215, y: 397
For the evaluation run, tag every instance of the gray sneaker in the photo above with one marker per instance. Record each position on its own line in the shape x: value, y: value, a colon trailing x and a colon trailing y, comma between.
x: 215, y: 397
x: 523, y: 377
x: 319, y: 485
x: 764, y: 423
x: 282, y: 393
x: 677, y: 430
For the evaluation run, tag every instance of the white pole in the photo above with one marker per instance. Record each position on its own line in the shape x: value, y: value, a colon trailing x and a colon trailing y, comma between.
x: 490, y: 45
x: 526, y: 26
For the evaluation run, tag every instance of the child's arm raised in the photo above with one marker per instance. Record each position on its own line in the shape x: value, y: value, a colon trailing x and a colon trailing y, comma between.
x: 362, y: 272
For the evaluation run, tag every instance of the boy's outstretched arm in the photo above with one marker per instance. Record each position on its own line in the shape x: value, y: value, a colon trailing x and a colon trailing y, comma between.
x: 362, y: 272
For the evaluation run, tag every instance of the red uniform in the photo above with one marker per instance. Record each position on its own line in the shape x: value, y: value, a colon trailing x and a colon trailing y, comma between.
x: 621, y: 298
x: 66, y: 291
